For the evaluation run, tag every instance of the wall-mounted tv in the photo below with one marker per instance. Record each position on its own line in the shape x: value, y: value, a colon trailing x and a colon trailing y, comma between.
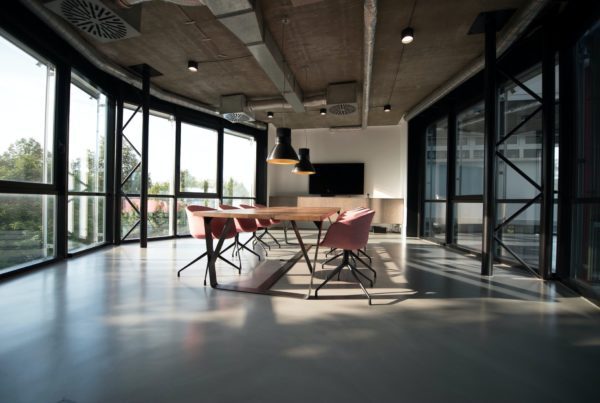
x: 337, y: 179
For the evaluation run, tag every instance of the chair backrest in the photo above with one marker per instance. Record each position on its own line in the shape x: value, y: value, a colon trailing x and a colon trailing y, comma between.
x: 241, y: 224
x: 196, y: 224
x: 351, y: 232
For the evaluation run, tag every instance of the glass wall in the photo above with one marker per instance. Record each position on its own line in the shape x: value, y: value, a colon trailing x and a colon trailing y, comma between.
x: 87, y: 160
x: 436, y: 166
x: 469, y: 178
x: 239, y: 168
x: 198, y: 163
x: 585, y: 249
x: 27, y: 92
x: 520, y: 118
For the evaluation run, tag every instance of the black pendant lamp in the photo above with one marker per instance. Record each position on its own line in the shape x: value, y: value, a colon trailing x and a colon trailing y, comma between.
x: 304, y: 166
x: 283, y: 153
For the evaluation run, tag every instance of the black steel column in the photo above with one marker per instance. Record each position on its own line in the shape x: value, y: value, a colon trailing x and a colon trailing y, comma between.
x: 110, y: 135
x: 61, y: 161
x: 451, y: 177
x: 548, y: 107
x: 489, y: 168
x: 145, y: 136
x: 176, y: 179
x: 118, y: 151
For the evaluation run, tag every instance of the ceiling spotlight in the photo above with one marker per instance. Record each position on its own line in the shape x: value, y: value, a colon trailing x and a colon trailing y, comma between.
x: 323, y: 111
x: 407, y: 35
x: 192, y: 66
x: 387, y: 108
x: 270, y: 115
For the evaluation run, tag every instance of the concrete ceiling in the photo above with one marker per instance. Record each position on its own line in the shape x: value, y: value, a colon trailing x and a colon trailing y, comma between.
x: 323, y: 45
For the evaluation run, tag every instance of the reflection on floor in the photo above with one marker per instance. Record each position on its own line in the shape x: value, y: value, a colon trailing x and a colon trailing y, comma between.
x: 119, y: 326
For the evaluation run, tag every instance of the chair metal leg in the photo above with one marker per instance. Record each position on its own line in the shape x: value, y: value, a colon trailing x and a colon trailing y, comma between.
x: 353, y: 271
x: 330, y: 251
x: 242, y: 246
x: 239, y: 268
x: 267, y: 232
x: 362, y: 274
x: 329, y: 260
x: 366, y: 255
x: 365, y: 264
x: 190, y: 263
x: 330, y: 276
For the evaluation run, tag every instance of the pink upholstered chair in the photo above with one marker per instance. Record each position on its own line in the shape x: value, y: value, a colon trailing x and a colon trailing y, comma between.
x: 263, y: 224
x: 349, y: 233
x: 344, y: 215
x: 247, y: 225
x: 198, y: 231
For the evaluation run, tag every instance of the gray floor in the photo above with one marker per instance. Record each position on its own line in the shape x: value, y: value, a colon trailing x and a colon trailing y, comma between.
x: 119, y: 326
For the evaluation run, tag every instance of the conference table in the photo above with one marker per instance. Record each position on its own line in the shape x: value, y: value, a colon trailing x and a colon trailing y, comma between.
x: 292, y: 214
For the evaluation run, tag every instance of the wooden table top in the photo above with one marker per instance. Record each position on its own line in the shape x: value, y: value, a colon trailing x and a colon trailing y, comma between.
x: 274, y: 213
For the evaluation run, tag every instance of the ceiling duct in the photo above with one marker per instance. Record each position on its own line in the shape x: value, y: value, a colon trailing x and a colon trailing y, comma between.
x: 341, y: 99
x: 233, y: 108
x: 244, y: 19
x: 98, y: 20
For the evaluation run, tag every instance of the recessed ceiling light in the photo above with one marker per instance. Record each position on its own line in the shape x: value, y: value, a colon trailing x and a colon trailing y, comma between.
x: 387, y: 108
x: 192, y: 66
x: 407, y: 35
x: 323, y: 111
x: 270, y: 115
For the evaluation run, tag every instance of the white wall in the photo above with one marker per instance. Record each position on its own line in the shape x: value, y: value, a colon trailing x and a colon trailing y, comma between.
x: 382, y: 149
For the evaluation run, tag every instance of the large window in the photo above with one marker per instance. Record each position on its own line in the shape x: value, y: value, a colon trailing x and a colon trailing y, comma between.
x: 469, y: 178
x: 27, y: 230
x: 585, y: 249
x: 87, y: 162
x: 239, y: 168
x: 520, y: 118
x: 198, y: 163
x: 436, y: 165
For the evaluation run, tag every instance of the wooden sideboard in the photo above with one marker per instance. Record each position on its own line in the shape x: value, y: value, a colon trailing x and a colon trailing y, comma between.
x: 387, y: 211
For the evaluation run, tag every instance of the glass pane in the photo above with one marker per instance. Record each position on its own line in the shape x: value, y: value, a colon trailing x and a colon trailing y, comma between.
x: 237, y: 202
x: 521, y: 235
x: 87, y: 138
x: 130, y: 228
x: 239, y: 165
x: 525, y: 146
x: 182, y: 225
x: 159, y: 216
x: 85, y: 221
x: 588, y: 111
x: 469, y: 151
x: 26, y: 229
x: 436, y: 160
x: 435, y: 221
x: 161, y: 155
x: 198, y: 165
x: 585, y: 253
x: 469, y: 220
x: 131, y: 149
x: 26, y: 116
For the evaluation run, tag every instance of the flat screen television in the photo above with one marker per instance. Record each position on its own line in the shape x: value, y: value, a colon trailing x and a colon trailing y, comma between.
x: 337, y: 179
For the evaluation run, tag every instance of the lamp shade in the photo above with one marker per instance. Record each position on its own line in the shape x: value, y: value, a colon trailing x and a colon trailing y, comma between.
x: 304, y: 166
x: 283, y: 153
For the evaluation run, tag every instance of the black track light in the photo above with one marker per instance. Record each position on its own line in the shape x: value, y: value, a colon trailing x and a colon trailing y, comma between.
x: 192, y: 66
x: 408, y: 34
x: 387, y: 108
x: 323, y: 111
x: 270, y: 115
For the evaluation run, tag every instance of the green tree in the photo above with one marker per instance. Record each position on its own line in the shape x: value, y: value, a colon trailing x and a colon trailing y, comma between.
x: 23, y: 161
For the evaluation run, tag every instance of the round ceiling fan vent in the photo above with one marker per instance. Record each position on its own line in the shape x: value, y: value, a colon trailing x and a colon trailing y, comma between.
x: 342, y: 109
x: 94, y: 18
x: 237, y: 117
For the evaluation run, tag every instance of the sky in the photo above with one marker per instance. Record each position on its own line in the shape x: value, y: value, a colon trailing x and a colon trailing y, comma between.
x: 23, y: 91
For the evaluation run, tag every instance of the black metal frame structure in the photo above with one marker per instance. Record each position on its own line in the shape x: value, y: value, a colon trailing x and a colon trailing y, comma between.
x: 20, y: 25
x: 554, y: 33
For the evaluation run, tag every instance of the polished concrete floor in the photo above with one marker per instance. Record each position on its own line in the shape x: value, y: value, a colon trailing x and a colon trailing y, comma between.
x: 119, y: 326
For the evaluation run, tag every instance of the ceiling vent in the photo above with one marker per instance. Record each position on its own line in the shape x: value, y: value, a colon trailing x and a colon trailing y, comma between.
x: 97, y: 20
x: 341, y: 99
x: 233, y: 108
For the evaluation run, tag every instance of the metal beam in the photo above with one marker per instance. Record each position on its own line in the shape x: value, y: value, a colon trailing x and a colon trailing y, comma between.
x: 548, y: 108
x: 490, y: 136
x: 145, y: 138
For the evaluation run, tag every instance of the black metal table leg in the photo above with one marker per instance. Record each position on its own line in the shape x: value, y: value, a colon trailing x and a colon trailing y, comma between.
x: 214, y: 254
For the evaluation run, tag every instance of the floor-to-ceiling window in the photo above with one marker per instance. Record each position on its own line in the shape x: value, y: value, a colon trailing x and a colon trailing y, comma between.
x: 519, y: 176
x: 86, y: 203
x: 198, y: 170
x: 131, y: 172
x: 239, y: 168
x: 27, y: 188
x: 436, y: 171
x: 585, y: 246
x: 468, y: 213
